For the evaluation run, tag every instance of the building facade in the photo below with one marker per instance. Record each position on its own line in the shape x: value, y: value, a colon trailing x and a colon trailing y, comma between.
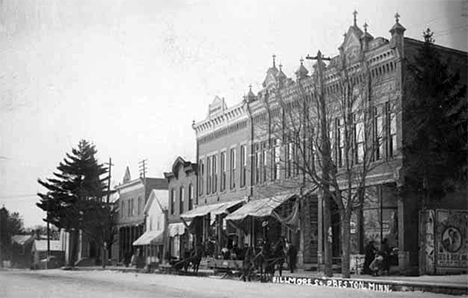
x: 152, y: 242
x: 182, y: 181
x: 133, y: 196
x: 245, y: 153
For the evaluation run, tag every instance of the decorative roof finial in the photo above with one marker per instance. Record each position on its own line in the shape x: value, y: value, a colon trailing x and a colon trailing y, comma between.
x: 250, y: 87
x: 274, y: 57
x: 302, y: 61
x: 280, y: 66
x: 355, y: 17
x: 397, y: 17
x: 365, y: 26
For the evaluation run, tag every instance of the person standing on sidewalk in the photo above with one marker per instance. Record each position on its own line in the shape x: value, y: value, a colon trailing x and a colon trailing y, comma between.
x: 385, y: 252
x: 370, y: 251
x: 247, y: 263
x: 292, y: 255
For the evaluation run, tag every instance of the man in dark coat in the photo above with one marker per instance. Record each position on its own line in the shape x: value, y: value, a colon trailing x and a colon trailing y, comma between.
x: 370, y: 251
x: 292, y: 255
x: 247, y: 264
x: 385, y: 252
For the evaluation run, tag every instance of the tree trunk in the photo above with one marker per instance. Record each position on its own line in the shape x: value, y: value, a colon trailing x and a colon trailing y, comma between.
x: 360, y: 220
x: 74, y: 247
x: 346, y: 243
x: 327, y: 252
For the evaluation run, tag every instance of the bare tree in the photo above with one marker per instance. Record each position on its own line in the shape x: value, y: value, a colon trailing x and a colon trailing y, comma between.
x: 328, y: 133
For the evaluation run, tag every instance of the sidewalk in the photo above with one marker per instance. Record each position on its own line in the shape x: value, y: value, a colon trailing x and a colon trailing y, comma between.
x: 444, y: 284
x: 447, y: 284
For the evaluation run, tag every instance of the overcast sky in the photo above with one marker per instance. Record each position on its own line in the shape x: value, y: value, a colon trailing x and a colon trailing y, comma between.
x: 131, y: 76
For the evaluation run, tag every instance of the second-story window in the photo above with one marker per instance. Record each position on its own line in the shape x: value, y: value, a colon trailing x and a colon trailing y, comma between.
x: 222, y: 187
x: 233, y: 168
x: 289, y: 157
x: 258, y: 160
x: 243, y: 169
x: 130, y: 208
x: 379, y: 133
x: 173, y: 198
x: 264, y: 161
x: 392, y: 131
x: 190, y: 197
x: 139, y: 206
x: 200, y: 177
x: 151, y: 223
x: 359, y: 131
x: 122, y: 211
x: 276, y: 158
x: 215, y: 173
x: 181, y: 200
x: 208, y: 177
x: 340, y: 134
x: 296, y: 154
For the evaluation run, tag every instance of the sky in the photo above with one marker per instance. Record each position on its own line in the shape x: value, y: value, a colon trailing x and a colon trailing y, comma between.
x: 131, y: 75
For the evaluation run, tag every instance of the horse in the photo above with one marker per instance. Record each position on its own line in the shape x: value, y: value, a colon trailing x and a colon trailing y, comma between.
x: 279, y: 257
x: 196, y: 257
x: 260, y: 261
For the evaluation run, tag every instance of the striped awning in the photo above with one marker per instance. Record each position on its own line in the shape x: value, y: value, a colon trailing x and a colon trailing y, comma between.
x: 213, y: 209
x: 259, y: 208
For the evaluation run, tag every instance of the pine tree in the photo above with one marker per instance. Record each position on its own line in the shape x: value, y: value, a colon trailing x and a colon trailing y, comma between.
x: 10, y: 224
x: 74, y: 197
x: 435, y: 148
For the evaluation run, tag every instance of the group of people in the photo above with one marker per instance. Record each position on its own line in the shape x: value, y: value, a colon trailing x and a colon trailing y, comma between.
x: 377, y: 260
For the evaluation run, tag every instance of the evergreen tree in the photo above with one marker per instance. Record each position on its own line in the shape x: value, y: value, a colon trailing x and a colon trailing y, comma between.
x: 74, y: 197
x: 435, y: 146
x: 10, y: 224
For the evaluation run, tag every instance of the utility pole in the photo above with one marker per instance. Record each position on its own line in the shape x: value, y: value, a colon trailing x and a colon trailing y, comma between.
x: 108, y: 228
x: 110, y: 164
x: 326, y: 167
x: 48, y: 233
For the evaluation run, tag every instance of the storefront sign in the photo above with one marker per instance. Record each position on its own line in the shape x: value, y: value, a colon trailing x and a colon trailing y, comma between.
x: 451, y: 235
x: 334, y: 283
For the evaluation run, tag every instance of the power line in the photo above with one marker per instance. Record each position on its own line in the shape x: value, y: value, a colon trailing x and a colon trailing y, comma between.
x: 18, y: 196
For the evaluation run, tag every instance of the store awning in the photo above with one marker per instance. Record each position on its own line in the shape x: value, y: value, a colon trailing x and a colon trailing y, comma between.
x: 175, y: 229
x: 150, y: 237
x: 213, y: 209
x: 259, y: 208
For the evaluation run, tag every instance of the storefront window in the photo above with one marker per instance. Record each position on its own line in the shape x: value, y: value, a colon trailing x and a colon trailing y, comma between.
x: 380, y: 215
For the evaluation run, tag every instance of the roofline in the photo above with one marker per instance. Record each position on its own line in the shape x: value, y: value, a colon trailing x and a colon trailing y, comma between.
x: 412, y: 40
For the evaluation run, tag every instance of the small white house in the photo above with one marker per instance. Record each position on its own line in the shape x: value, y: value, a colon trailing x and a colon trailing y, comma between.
x: 152, y: 243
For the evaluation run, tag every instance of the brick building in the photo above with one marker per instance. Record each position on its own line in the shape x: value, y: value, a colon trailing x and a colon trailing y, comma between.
x: 241, y: 159
x: 182, y: 181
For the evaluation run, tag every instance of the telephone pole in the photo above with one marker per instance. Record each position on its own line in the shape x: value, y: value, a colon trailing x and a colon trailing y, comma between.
x: 48, y: 234
x: 110, y: 164
x: 109, y: 227
x: 324, y: 206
